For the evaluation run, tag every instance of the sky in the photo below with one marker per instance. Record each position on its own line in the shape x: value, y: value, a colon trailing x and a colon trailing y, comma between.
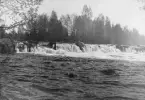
x: 126, y: 12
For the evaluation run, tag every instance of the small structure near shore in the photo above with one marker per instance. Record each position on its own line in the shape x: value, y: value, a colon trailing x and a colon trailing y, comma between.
x: 30, y: 45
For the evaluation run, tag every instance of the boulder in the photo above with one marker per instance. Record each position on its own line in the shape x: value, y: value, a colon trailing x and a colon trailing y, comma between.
x: 52, y: 45
x: 7, y: 46
x: 81, y: 45
x: 21, y: 47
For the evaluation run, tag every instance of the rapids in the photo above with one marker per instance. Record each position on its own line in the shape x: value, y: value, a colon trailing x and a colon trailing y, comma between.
x: 101, y: 51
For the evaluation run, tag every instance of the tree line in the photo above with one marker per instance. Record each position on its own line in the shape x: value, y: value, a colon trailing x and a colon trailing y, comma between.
x: 71, y: 28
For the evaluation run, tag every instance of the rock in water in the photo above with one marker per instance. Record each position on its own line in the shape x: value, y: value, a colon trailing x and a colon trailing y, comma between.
x: 52, y: 45
x: 109, y: 72
x: 7, y: 46
x: 81, y: 45
x: 21, y: 47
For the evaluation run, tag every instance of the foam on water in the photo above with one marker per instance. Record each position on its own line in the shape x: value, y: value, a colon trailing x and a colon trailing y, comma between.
x: 132, y: 53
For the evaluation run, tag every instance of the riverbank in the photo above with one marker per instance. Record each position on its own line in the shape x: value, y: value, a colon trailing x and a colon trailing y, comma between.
x: 36, y: 77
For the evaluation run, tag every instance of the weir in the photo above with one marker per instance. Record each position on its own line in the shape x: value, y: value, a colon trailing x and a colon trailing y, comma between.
x: 102, y: 51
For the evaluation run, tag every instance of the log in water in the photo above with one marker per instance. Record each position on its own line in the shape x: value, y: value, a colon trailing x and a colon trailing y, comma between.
x: 35, y: 77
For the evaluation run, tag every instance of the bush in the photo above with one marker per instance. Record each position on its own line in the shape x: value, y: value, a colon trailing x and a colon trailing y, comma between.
x: 7, y: 46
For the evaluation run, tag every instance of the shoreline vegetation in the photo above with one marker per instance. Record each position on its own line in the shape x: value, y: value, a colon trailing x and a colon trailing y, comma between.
x: 70, y: 28
x: 36, y: 77
x: 25, y: 76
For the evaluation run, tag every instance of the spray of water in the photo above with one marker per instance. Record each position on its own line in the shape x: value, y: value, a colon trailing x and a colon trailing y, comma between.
x: 120, y: 52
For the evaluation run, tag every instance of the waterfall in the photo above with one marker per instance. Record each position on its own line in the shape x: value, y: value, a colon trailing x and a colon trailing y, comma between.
x: 102, y: 51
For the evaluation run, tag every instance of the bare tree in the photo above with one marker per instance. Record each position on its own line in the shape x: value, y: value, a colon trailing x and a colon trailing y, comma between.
x: 17, y: 10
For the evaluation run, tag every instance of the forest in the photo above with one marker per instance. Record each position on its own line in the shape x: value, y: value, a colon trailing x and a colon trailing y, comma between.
x: 70, y: 28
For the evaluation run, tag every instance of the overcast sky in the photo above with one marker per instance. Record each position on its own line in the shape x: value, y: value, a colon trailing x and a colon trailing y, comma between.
x: 125, y: 12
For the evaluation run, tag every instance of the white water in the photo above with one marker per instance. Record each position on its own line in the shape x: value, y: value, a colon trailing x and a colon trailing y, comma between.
x: 131, y: 53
